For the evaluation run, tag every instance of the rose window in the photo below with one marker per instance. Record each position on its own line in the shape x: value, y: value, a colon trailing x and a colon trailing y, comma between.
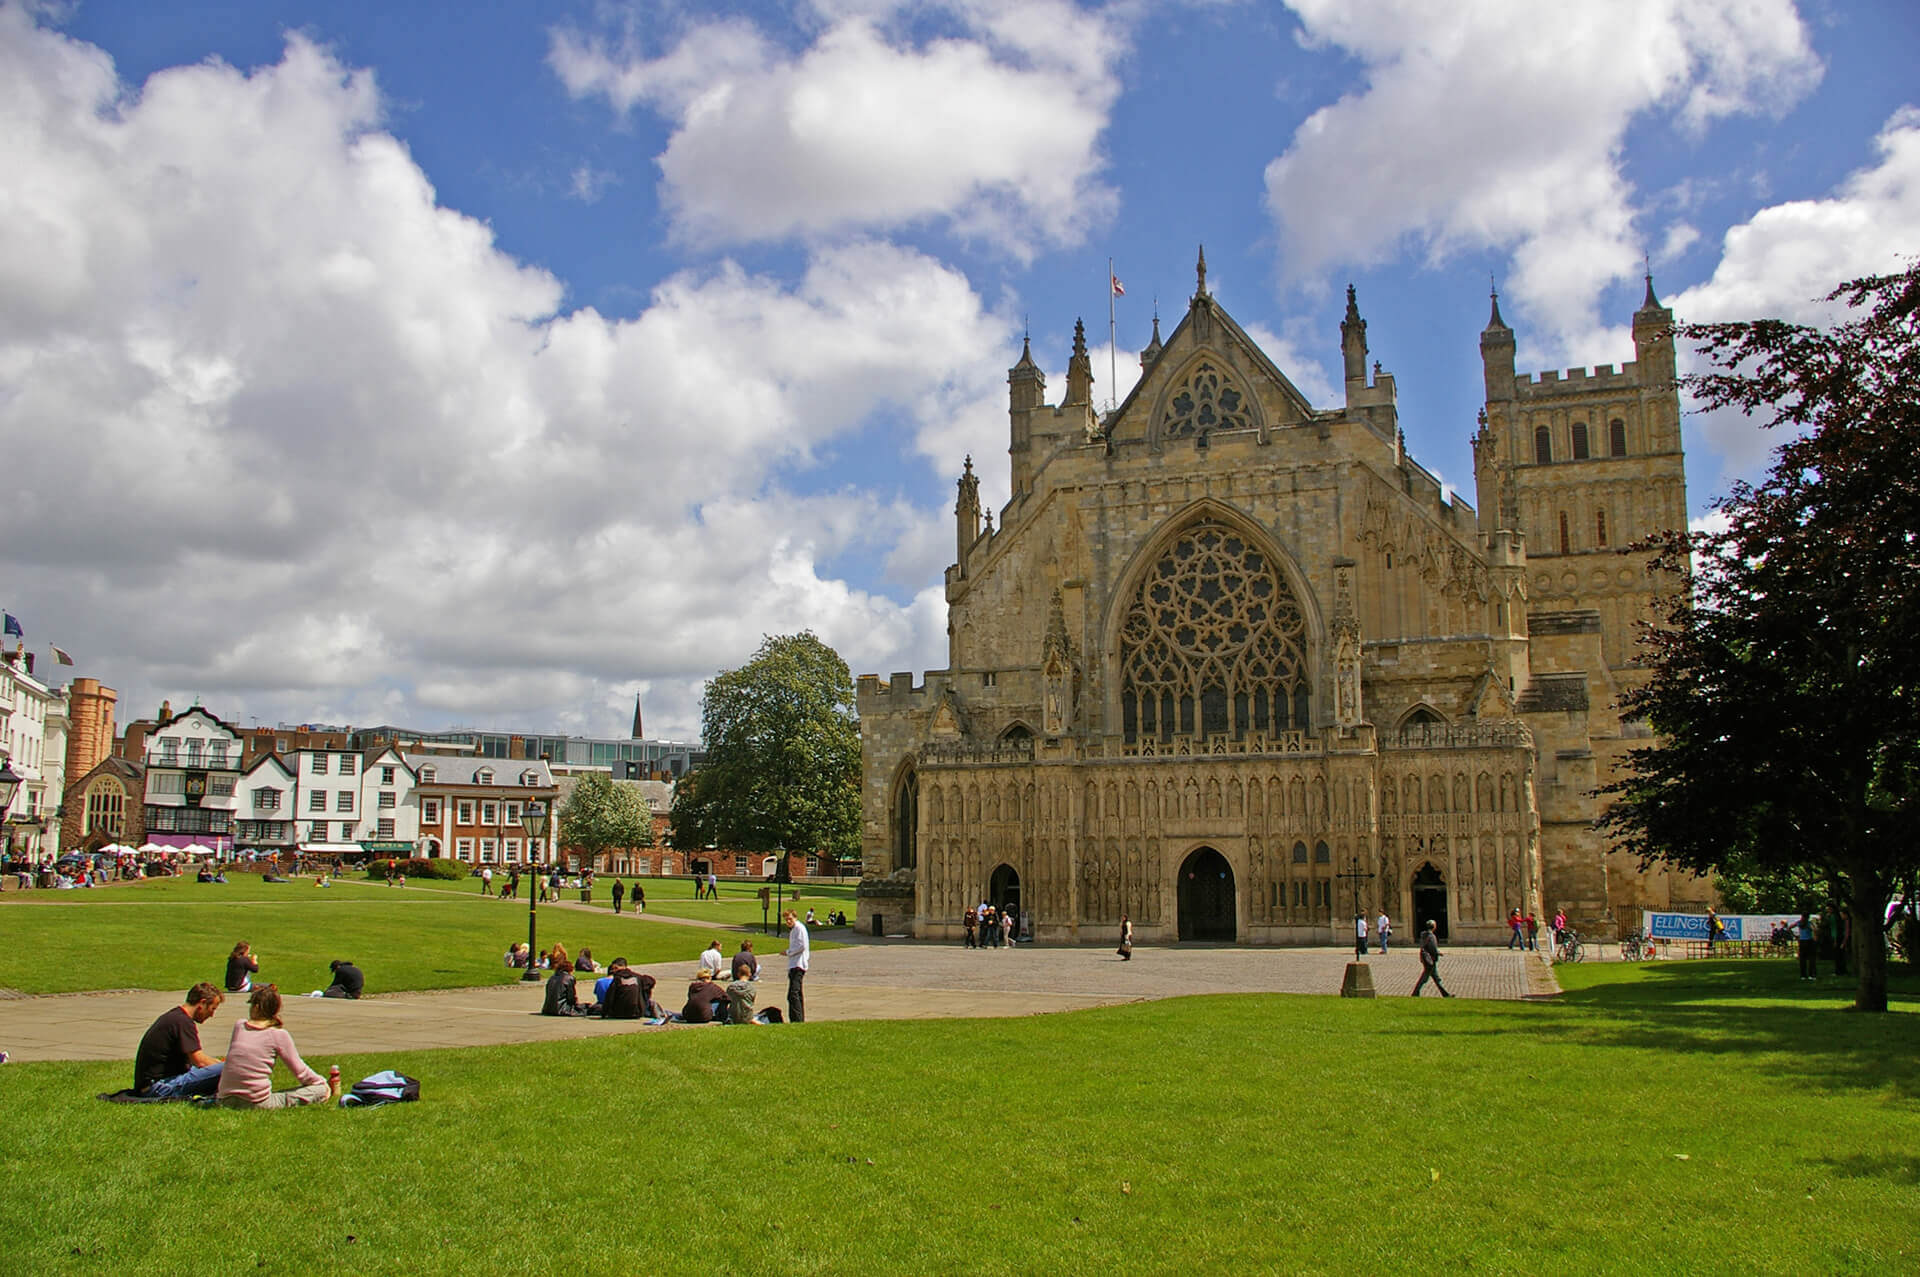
x: 1205, y: 402
x: 1213, y: 644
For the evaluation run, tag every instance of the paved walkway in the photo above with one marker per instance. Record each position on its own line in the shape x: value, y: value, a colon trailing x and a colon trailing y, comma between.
x: 869, y: 981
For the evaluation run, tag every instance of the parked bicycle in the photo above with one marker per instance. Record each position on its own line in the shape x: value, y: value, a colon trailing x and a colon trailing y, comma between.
x: 1637, y: 946
x: 1569, y: 949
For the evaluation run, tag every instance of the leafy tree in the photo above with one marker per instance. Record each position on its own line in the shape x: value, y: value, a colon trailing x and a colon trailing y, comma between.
x: 783, y: 756
x: 1785, y: 680
x: 600, y: 815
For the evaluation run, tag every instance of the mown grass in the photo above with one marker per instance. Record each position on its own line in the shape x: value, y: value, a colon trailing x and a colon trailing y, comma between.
x: 170, y: 933
x: 738, y: 905
x: 1649, y: 1120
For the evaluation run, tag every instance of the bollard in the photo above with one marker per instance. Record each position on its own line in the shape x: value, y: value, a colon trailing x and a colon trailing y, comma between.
x: 1358, y: 982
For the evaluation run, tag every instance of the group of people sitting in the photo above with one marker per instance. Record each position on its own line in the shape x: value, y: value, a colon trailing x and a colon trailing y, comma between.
x: 835, y: 918
x: 171, y: 1065
x: 625, y: 994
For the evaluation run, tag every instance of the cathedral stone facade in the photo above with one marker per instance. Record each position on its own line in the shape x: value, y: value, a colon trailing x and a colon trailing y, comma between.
x: 1231, y: 665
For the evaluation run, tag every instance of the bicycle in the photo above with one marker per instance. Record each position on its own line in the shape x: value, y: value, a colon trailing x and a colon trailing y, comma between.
x: 1637, y: 947
x: 1569, y: 948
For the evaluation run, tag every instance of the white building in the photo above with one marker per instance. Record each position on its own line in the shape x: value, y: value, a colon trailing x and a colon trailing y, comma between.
x: 192, y: 781
x: 29, y: 712
x: 265, y: 810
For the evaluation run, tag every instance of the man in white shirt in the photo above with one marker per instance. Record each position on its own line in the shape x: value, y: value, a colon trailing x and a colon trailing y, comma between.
x: 1382, y: 928
x: 1359, y: 935
x: 712, y: 959
x: 797, y: 953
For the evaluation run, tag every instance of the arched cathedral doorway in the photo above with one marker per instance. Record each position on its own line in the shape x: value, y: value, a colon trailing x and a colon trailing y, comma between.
x: 1003, y: 890
x: 1206, y: 897
x: 1429, y: 900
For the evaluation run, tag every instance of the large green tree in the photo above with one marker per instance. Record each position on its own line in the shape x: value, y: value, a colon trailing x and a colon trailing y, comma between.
x: 601, y: 814
x: 1785, y: 685
x: 783, y: 756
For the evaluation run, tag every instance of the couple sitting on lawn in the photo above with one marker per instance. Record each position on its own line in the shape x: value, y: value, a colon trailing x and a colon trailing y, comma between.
x: 708, y: 1003
x: 169, y: 1064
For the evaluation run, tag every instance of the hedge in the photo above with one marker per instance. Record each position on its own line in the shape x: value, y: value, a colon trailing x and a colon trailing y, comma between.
x: 442, y: 867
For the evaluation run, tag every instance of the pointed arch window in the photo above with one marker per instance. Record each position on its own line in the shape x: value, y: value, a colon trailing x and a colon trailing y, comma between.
x: 1205, y: 401
x: 1213, y: 644
x: 1600, y: 528
x: 906, y: 822
x: 1542, y: 446
x: 1566, y: 545
x: 1579, y: 441
x: 1617, y: 438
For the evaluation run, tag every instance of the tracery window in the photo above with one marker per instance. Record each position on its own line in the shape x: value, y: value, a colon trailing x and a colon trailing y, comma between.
x: 1206, y: 401
x: 1214, y: 644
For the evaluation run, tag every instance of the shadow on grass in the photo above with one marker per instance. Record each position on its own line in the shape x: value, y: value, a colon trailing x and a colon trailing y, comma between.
x: 1808, y: 1031
x: 1894, y: 1169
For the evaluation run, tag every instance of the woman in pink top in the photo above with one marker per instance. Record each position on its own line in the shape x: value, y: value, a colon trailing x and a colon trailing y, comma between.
x: 258, y: 1040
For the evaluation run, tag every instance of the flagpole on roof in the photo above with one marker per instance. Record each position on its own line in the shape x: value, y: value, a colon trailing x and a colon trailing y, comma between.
x: 1113, y: 358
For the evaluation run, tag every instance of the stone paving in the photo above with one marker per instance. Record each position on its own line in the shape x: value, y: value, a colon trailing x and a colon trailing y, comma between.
x: 869, y: 980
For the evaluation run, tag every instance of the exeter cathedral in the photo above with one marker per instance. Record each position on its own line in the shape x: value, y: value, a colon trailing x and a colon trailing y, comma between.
x: 1231, y: 664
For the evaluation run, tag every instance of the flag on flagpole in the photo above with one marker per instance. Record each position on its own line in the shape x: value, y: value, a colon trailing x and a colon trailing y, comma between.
x: 1119, y: 289
x: 12, y: 628
x: 60, y: 655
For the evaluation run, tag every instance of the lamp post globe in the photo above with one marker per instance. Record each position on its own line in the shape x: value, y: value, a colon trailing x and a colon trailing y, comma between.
x: 535, y: 818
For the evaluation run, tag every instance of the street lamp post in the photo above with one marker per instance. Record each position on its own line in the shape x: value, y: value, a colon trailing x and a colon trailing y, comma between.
x: 535, y: 816
x: 780, y: 880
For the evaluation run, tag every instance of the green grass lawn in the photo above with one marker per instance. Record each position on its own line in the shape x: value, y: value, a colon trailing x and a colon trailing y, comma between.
x: 1676, y: 1117
x: 169, y: 933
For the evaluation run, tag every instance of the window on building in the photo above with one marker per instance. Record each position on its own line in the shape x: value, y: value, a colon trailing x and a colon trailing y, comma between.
x: 386, y: 775
x: 343, y: 801
x: 510, y: 814
x: 388, y: 800
x: 1213, y: 626
x: 319, y: 764
x: 1299, y: 895
x: 217, y: 753
x: 813, y: 866
x: 170, y: 752
x: 106, y: 808
x: 266, y: 800
x: 346, y: 831
x: 1299, y: 853
x: 317, y: 800
x: 1566, y: 542
x: 740, y: 865
x: 317, y: 831
x: 1326, y: 894
x: 484, y: 776
x: 426, y: 775
x: 529, y: 778
x: 1322, y: 855
x: 1617, y: 438
x: 383, y: 830
x: 429, y: 811
x: 463, y: 811
x: 989, y: 679
x: 167, y: 783
x: 346, y: 764
x: 1600, y: 528
x: 221, y: 786
x: 513, y: 848
x: 281, y: 745
x: 489, y: 848
x: 463, y: 848
x: 196, y: 752
x: 1542, y: 445
x: 1579, y: 441
x: 489, y: 813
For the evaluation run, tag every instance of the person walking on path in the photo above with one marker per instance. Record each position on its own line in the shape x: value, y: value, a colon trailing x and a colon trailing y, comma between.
x: 797, y: 959
x: 971, y: 923
x: 1514, y: 923
x: 619, y: 894
x: 1006, y: 927
x: 1382, y: 928
x: 1533, y: 930
x: 1126, y: 938
x: 1430, y: 961
x: 639, y: 898
x: 486, y: 880
x: 1359, y: 935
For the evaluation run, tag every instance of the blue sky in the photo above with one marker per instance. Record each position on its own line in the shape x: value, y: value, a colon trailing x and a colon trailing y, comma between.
x: 489, y: 364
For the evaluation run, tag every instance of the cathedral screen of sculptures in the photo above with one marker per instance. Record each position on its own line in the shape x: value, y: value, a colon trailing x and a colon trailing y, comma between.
x: 1225, y: 647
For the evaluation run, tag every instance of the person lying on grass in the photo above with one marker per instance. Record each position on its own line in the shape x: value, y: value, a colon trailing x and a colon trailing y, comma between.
x: 169, y: 1064
x: 259, y: 1040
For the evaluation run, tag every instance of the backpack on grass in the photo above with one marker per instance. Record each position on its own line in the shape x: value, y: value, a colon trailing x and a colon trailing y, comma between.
x: 384, y: 1087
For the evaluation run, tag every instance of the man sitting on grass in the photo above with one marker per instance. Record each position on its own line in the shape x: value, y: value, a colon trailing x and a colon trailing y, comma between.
x: 703, y: 997
x: 625, y: 994
x: 348, y: 980
x: 712, y: 959
x: 169, y: 1064
x: 561, y: 997
x: 740, y: 994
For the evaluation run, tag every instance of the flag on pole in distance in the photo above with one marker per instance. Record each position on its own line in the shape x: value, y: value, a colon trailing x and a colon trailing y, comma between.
x: 60, y: 655
x: 1119, y: 289
x: 13, y: 629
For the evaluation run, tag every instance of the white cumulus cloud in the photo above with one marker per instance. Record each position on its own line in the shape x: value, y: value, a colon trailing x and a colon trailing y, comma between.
x: 1500, y: 125
x: 993, y: 130
x: 286, y: 433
